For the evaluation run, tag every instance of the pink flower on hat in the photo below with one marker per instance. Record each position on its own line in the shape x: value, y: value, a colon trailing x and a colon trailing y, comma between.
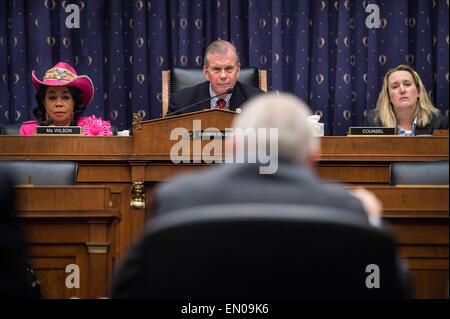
x: 95, y: 126
x: 63, y: 74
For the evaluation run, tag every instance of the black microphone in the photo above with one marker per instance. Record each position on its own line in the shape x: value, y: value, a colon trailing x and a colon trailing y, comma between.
x: 45, y: 123
x: 228, y: 91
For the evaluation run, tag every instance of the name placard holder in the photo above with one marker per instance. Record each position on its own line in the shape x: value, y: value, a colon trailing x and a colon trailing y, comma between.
x: 209, y: 134
x: 59, y: 130
x: 440, y: 133
x: 363, y: 130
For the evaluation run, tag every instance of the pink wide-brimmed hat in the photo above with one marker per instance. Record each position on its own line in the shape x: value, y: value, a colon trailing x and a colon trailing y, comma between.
x: 63, y: 74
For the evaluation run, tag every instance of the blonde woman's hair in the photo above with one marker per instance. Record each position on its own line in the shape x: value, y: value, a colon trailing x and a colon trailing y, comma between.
x: 425, y: 108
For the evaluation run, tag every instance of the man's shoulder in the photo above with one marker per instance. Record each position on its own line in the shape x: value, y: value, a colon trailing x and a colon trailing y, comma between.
x: 192, y: 90
x: 190, y: 189
x: 189, y: 182
x: 249, y: 90
x: 439, y: 121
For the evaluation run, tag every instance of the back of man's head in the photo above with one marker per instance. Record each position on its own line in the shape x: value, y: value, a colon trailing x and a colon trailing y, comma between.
x: 288, y: 114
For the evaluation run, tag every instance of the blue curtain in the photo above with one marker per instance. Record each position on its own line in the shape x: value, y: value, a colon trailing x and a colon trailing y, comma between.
x: 322, y: 51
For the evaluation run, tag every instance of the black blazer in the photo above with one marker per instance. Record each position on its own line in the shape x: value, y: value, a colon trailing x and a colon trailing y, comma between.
x: 182, y: 98
x: 438, y: 122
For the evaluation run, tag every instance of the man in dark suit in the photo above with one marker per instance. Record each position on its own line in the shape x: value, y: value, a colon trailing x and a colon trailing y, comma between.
x: 294, y: 181
x: 221, y: 69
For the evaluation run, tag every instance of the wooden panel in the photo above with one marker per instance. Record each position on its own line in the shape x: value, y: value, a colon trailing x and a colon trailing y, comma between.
x: 430, y: 284
x: 355, y: 174
x: 156, y: 172
x: 152, y: 142
x: 158, y: 131
x: 50, y: 264
x: 104, y: 172
x: 62, y: 200
x: 69, y: 225
x: 65, y: 147
x: 406, y: 201
x: 384, y: 148
x: 125, y: 233
x: 418, y: 217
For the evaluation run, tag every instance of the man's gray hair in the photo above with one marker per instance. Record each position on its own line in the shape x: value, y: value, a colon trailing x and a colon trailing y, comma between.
x: 219, y: 47
x: 288, y: 114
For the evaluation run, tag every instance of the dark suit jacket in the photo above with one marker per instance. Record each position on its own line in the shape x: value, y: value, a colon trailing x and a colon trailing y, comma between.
x: 179, y: 99
x: 233, y: 183
x: 242, y: 183
x: 438, y: 122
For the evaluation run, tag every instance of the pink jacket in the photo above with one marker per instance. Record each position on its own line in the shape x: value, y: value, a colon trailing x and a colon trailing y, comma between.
x: 92, y: 126
x: 28, y: 128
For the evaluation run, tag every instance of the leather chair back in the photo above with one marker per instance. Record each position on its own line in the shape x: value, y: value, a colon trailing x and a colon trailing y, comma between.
x: 419, y: 173
x: 42, y: 172
x: 262, y: 251
x: 11, y: 129
x: 181, y: 78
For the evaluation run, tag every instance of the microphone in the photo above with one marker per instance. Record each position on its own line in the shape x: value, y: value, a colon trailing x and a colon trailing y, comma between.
x: 45, y: 123
x: 228, y: 91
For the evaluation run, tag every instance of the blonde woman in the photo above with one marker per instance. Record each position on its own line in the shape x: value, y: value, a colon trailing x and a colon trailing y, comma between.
x: 404, y: 103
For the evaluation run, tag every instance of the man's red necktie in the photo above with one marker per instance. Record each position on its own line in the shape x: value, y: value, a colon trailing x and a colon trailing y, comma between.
x: 221, y: 103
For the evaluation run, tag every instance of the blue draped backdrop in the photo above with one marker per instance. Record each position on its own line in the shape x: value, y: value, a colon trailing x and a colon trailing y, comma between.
x: 322, y: 51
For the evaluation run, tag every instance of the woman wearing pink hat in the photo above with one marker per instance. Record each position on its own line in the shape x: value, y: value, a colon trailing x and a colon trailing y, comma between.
x: 62, y: 96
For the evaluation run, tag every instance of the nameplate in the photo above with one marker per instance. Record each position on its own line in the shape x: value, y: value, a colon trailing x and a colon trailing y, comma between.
x: 59, y: 130
x: 208, y: 134
x: 440, y: 133
x: 363, y: 130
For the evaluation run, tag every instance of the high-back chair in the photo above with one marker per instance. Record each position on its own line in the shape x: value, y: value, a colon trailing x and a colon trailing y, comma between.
x: 42, y: 172
x: 10, y: 129
x: 181, y: 78
x: 419, y: 173
x: 262, y: 251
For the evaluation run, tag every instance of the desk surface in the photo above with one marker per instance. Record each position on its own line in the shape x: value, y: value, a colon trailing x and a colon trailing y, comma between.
x: 373, y: 149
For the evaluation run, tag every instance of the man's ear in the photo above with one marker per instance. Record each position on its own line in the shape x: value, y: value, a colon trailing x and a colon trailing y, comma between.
x: 205, y: 72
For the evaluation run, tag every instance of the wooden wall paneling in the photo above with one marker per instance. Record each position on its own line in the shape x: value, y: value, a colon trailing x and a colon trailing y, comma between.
x: 69, y: 225
x: 418, y: 218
